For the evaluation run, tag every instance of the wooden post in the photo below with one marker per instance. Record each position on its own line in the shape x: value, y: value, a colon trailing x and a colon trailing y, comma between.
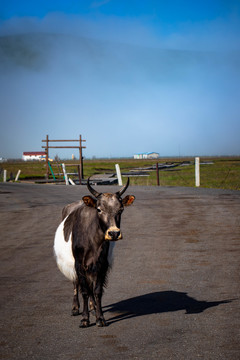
x: 4, y: 175
x: 79, y: 175
x: 17, y: 176
x: 80, y: 160
x: 119, y: 176
x: 46, y: 152
x: 65, y: 174
x: 197, y: 171
x: 157, y: 170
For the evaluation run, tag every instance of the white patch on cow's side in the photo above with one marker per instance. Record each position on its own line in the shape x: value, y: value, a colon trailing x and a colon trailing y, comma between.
x: 63, y: 253
x: 110, y: 253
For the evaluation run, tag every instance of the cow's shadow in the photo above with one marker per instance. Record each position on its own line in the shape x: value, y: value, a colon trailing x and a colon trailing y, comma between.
x: 158, y: 302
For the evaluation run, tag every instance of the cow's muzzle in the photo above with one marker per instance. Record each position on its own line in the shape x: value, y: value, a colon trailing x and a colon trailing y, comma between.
x: 113, y: 234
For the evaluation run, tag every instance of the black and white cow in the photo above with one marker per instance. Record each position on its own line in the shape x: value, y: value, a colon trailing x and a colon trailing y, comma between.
x: 83, y: 246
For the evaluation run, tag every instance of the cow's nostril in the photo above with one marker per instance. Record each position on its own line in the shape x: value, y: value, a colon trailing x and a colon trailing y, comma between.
x: 110, y: 233
x: 114, y: 234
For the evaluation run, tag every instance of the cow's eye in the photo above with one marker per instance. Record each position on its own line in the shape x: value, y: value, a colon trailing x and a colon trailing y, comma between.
x: 99, y: 210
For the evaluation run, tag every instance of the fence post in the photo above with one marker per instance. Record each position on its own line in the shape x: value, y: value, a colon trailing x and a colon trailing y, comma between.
x: 197, y: 171
x: 157, y: 170
x: 17, y: 176
x: 47, y: 156
x: 65, y: 174
x: 119, y: 176
x: 4, y: 175
x: 80, y: 160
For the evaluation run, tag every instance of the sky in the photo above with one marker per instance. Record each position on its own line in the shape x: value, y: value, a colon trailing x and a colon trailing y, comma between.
x: 130, y: 76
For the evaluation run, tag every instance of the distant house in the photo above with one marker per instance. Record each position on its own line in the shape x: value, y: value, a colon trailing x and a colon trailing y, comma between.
x: 147, y: 155
x: 34, y: 155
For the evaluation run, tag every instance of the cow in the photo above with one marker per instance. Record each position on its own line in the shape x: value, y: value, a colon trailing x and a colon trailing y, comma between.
x: 83, y: 246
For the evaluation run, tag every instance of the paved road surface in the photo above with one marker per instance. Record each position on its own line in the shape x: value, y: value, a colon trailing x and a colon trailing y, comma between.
x: 173, y: 292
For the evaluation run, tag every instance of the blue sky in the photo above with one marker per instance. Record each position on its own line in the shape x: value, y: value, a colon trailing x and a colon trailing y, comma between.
x: 130, y: 76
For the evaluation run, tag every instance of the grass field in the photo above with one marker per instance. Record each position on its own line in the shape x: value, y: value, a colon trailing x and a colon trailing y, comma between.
x: 221, y: 173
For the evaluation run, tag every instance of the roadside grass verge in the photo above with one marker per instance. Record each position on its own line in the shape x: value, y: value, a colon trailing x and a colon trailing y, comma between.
x: 219, y: 173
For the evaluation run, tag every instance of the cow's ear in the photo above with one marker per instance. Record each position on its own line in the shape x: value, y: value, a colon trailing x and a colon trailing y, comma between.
x: 128, y: 200
x: 89, y: 201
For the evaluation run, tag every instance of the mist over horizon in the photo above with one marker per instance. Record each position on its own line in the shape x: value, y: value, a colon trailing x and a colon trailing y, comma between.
x: 65, y: 76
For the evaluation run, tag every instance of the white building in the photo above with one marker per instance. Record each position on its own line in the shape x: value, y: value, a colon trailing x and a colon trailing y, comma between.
x: 147, y: 155
x: 34, y: 155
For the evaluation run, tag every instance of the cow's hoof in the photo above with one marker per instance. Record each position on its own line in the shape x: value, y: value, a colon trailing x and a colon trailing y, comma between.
x: 75, y: 312
x: 101, y: 323
x: 84, y: 323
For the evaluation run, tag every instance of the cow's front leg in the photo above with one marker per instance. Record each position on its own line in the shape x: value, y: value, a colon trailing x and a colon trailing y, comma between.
x: 75, y: 305
x: 85, y: 291
x: 100, y: 321
x: 85, y: 314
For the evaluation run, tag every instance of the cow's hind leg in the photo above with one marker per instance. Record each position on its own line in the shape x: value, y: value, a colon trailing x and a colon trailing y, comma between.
x: 75, y: 305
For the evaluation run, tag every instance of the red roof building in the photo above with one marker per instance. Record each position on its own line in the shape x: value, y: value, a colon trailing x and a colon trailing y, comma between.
x: 33, y: 155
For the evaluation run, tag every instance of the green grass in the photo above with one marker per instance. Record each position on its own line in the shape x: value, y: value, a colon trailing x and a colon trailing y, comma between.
x: 224, y: 173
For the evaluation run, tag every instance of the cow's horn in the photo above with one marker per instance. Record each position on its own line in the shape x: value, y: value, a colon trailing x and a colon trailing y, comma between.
x: 123, y: 189
x: 92, y: 191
